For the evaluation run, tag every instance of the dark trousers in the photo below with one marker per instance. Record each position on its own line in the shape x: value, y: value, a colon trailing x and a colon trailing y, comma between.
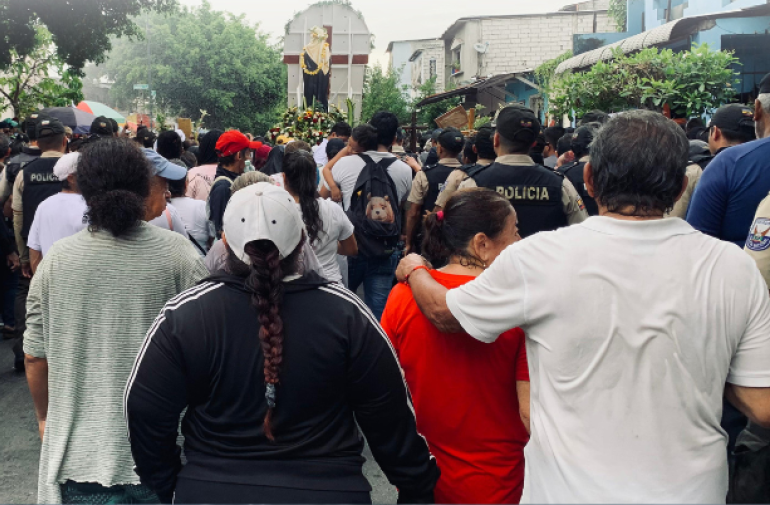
x: 9, y: 283
x: 198, y: 491
x: 20, y: 311
x: 376, y: 274
x: 90, y: 493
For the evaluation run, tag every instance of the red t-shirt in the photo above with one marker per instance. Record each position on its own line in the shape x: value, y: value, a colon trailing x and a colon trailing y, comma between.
x: 464, y: 394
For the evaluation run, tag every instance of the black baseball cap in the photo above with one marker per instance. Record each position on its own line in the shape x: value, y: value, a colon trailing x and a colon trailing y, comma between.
x: 764, y: 85
x: 518, y: 124
x: 435, y: 134
x: 734, y: 118
x: 101, y: 126
x: 594, y: 116
x: 583, y: 136
x: 452, y: 140
x: 30, y: 125
x: 48, y: 127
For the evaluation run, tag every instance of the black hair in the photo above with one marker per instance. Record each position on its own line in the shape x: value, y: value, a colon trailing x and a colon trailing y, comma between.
x: 564, y: 144
x: 424, y: 139
x: 341, y: 129
x: 301, y: 178
x: 264, y: 280
x: 693, y: 123
x: 114, y: 177
x: 366, y: 137
x: 468, y: 152
x: 177, y: 188
x: 274, y: 163
x: 115, y: 127
x: 333, y: 147
x: 696, y: 133
x: 515, y: 146
x: 189, y: 159
x: 5, y: 145
x: 639, y: 160
x: 466, y: 213
x: 186, y: 144
x: 207, y: 154
x: 169, y: 145
x: 740, y: 136
x: 536, y: 151
x: 594, y: 116
x: 485, y: 143
x: 552, y: 136
x: 386, y: 124
x: 51, y: 142
x: 583, y: 137
x: 400, y: 134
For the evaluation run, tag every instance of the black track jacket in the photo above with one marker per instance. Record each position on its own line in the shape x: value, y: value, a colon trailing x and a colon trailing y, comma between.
x: 338, y: 368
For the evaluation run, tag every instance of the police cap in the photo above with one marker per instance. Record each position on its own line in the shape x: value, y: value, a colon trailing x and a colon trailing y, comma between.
x: 518, y: 124
x: 48, y: 127
x: 452, y: 140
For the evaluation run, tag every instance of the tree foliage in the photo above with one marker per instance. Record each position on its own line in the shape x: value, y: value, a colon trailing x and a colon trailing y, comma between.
x: 204, y: 59
x: 691, y: 83
x: 427, y: 114
x: 618, y: 12
x: 544, y: 73
x: 27, y: 83
x: 382, y: 92
x: 81, y: 29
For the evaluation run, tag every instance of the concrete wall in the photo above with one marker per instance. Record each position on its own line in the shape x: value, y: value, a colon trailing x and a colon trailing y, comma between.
x: 420, y: 67
x: 399, y: 60
x: 521, y: 42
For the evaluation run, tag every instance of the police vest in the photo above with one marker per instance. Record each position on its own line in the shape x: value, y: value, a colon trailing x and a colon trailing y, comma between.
x: 39, y: 183
x: 15, y: 164
x: 534, y: 191
x: 574, y: 172
x: 437, y: 175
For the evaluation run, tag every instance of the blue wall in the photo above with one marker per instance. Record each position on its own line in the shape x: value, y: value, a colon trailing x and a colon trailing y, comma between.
x: 653, y: 11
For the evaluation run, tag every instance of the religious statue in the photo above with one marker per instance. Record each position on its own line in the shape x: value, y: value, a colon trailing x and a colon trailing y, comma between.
x: 315, y: 63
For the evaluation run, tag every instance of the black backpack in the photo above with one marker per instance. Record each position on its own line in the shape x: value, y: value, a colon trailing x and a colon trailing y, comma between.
x: 374, y: 209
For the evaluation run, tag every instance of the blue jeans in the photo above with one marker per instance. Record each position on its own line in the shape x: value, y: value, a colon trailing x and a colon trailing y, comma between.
x: 376, y: 274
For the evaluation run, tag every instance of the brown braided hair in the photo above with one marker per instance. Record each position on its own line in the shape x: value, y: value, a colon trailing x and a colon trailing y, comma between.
x: 264, y: 279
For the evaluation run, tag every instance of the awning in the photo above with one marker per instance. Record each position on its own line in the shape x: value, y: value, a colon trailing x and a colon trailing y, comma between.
x: 662, y: 35
x: 472, y: 90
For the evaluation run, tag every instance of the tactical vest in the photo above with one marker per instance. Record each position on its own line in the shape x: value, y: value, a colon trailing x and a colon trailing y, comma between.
x: 574, y: 172
x: 534, y: 191
x: 15, y: 164
x: 437, y: 175
x: 39, y: 183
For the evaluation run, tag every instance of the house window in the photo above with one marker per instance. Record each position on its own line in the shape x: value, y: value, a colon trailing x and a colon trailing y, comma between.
x: 432, y: 68
x: 456, y: 59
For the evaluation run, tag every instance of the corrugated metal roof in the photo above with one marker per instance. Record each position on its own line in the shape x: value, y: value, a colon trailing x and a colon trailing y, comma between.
x: 661, y: 35
x: 477, y: 86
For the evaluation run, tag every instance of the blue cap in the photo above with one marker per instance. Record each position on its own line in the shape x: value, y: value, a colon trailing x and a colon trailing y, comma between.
x: 163, y: 167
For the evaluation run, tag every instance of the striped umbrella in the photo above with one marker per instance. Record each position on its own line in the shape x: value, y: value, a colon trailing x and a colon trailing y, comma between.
x: 99, y: 109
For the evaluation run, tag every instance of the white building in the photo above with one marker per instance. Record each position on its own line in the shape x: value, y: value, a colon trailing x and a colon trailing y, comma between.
x: 418, y: 61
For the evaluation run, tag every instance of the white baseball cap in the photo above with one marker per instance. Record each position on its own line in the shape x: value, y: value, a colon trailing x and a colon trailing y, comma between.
x: 66, y: 166
x: 262, y: 211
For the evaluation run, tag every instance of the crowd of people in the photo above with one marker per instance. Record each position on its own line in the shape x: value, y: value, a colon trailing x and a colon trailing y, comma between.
x: 547, y: 314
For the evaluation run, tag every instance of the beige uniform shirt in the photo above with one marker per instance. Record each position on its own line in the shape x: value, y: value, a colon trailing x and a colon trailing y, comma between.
x: 693, y: 173
x: 453, y: 183
x: 758, y: 241
x: 420, y: 184
x: 18, y: 208
x: 573, y: 205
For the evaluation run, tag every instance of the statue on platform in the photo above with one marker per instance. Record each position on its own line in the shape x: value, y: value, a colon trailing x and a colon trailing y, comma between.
x: 315, y: 63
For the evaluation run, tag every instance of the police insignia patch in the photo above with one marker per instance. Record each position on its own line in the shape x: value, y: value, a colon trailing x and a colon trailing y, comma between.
x: 758, y: 235
x: 581, y: 204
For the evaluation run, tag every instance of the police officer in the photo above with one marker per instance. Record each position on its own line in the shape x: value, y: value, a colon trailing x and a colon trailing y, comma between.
x: 429, y: 183
x: 581, y: 148
x: 35, y: 183
x: 29, y: 153
x: 484, y: 147
x: 543, y: 199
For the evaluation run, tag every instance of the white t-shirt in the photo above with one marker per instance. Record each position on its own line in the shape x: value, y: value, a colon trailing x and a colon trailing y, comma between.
x: 319, y: 153
x: 59, y: 216
x: 176, y: 221
x: 346, y: 171
x: 193, y: 215
x: 336, y: 227
x: 633, y: 328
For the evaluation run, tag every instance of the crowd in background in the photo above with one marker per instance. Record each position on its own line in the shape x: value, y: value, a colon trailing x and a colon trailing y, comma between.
x: 547, y: 314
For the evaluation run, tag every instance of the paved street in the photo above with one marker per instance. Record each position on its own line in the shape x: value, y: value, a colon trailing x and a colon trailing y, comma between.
x: 20, y: 445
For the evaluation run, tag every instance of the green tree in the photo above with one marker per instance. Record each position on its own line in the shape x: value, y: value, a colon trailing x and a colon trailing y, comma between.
x: 618, y: 12
x: 382, y: 92
x: 27, y: 84
x: 202, y: 59
x: 427, y: 114
x: 81, y: 29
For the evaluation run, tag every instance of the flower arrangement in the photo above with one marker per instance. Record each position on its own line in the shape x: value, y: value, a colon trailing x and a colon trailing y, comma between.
x: 307, y: 125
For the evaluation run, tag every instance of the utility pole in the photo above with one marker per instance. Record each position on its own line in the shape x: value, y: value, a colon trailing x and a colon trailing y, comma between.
x: 149, y: 63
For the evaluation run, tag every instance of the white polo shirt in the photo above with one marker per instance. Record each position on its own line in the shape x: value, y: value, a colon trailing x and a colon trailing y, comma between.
x: 633, y: 328
x: 347, y: 170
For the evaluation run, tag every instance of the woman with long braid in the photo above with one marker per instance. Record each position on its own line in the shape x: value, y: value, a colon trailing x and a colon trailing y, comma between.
x: 275, y: 390
x: 329, y: 230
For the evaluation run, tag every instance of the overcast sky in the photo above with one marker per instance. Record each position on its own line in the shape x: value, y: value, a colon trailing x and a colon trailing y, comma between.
x: 388, y: 19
